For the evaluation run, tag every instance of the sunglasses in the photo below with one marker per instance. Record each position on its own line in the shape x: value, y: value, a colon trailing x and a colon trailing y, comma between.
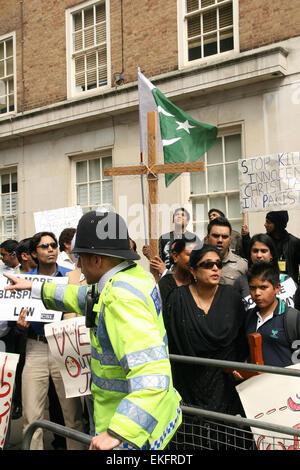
x: 44, y: 246
x: 209, y: 264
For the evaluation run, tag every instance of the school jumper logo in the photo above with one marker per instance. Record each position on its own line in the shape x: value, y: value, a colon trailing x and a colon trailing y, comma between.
x: 274, y: 334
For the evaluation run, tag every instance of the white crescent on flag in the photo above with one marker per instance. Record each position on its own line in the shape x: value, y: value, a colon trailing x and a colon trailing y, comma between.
x: 163, y: 111
x: 170, y: 141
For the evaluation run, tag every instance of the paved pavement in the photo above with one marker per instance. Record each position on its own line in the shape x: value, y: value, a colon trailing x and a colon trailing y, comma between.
x: 15, y: 436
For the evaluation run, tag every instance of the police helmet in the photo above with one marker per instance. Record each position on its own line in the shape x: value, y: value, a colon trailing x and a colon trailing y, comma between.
x: 103, y: 233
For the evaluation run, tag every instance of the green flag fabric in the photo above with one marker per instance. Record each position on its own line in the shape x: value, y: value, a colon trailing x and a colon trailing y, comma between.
x: 183, y: 138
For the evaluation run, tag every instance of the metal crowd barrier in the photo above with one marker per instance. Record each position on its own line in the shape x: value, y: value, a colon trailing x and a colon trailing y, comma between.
x: 56, y: 429
x: 208, y: 430
x: 203, y: 429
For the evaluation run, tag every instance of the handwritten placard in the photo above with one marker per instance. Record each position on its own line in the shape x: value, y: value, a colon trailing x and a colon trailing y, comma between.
x: 270, y: 182
x: 12, y: 303
x: 274, y: 399
x: 57, y: 219
x: 8, y: 364
x: 69, y: 343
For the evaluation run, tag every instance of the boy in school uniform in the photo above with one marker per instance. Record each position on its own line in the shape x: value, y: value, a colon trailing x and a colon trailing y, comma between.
x: 269, y: 317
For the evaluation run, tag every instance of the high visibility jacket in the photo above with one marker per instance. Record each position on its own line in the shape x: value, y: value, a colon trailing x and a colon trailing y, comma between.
x: 134, y: 397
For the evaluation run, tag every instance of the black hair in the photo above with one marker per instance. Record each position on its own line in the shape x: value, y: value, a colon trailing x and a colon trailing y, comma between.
x: 221, y: 222
x: 23, y: 247
x: 197, y: 254
x: 266, y: 240
x: 182, y: 209
x: 66, y: 236
x: 178, y: 245
x: 9, y: 245
x: 216, y: 210
x: 266, y: 272
x: 35, y: 240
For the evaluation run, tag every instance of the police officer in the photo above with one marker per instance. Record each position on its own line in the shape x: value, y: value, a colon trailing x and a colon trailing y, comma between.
x: 135, y: 404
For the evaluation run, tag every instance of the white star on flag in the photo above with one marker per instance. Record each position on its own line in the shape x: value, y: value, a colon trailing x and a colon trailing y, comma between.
x: 185, y: 126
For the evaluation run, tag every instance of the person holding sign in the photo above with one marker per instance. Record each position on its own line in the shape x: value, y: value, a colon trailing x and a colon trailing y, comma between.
x: 26, y: 264
x: 135, y: 404
x: 39, y: 363
x: 262, y: 249
x: 10, y: 265
x: 286, y: 244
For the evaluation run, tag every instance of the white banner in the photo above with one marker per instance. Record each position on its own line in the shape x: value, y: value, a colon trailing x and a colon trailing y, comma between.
x: 69, y: 343
x: 12, y: 303
x: 275, y: 399
x: 270, y: 182
x: 8, y: 364
x: 58, y: 219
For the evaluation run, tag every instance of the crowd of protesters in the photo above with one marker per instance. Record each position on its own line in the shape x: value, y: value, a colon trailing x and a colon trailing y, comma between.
x: 221, y: 290
x: 214, y: 293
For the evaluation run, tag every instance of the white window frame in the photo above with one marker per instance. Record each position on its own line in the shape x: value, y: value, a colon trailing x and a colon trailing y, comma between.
x: 71, y: 89
x: 183, y: 61
x: 87, y: 157
x: 222, y: 133
x: 14, y: 215
x: 4, y: 37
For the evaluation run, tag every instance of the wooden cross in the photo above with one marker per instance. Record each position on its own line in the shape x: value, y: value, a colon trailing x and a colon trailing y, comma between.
x: 152, y: 170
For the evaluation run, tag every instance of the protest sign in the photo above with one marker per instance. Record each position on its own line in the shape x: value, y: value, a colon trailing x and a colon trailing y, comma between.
x: 8, y: 364
x: 274, y: 399
x: 12, y: 303
x: 69, y: 343
x: 270, y: 182
x: 58, y: 219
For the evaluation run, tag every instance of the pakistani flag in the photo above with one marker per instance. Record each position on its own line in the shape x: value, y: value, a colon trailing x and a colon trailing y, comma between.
x: 182, y: 138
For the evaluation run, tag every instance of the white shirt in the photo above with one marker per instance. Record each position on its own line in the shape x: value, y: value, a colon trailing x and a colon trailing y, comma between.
x: 261, y: 321
x: 64, y: 260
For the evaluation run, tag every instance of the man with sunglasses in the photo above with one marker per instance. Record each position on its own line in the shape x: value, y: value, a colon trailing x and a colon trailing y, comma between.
x: 219, y: 235
x: 39, y: 363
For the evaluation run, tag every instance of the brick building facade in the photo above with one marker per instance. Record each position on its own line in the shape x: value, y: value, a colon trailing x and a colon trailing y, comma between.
x: 142, y: 32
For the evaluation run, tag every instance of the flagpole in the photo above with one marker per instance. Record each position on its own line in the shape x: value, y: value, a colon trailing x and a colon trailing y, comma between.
x: 142, y: 163
x: 143, y: 203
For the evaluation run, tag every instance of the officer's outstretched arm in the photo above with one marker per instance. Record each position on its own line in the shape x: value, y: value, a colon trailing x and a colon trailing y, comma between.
x: 68, y: 298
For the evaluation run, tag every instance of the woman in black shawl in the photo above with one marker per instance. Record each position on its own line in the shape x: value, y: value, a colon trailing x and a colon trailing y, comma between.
x: 205, y: 320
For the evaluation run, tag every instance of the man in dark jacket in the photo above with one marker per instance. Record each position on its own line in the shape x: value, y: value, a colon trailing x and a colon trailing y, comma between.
x: 287, y: 245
